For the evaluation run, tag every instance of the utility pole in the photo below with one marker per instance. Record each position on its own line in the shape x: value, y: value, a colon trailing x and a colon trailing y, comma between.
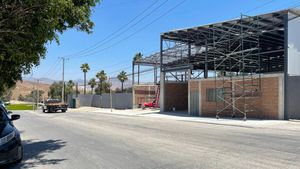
x: 110, y: 95
x: 37, y: 94
x: 63, y: 80
x: 32, y: 90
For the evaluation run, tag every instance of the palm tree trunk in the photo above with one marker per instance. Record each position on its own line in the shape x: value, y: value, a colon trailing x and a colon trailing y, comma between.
x: 84, y: 89
x: 122, y: 86
x: 92, y: 90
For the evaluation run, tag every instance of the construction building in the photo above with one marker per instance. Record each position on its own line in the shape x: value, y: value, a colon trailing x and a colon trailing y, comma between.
x: 247, y: 67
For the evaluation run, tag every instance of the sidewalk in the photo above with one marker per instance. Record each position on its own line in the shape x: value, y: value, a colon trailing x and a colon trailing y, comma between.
x: 128, y: 112
x: 250, y: 123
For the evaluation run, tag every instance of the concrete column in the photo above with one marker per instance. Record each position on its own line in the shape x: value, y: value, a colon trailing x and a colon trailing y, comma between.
x: 162, y: 78
x: 155, y: 75
x: 132, y: 73
x: 162, y: 92
x: 189, y: 92
x: 200, y: 99
x: 133, y: 93
x: 206, y: 61
x: 133, y: 98
x: 285, y: 105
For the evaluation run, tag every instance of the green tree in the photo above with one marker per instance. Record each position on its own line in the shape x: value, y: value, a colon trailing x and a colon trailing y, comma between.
x: 102, y: 78
x: 35, y: 95
x: 128, y: 90
x: 27, y: 25
x: 21, y: 97
x: 137, y: 57
x: 105, y: 88
x: 122, y: 78
x: 69, y: 88
x: 55, y: 90
x: 92, y: 83
x: 85, y: 68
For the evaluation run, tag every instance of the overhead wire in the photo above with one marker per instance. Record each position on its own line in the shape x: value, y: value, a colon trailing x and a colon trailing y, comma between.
x: 139, y: 30
x: 51, y: 67
x: 54, y: 71
x: 260, y: 6
x: 119, y: 34
x: 144, y: 27
x: 103, y: 41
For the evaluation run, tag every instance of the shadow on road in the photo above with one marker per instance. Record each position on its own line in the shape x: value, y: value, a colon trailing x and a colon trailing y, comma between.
x: 35, y: 153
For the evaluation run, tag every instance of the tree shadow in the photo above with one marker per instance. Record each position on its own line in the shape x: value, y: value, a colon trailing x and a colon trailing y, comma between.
x: 35, y: 154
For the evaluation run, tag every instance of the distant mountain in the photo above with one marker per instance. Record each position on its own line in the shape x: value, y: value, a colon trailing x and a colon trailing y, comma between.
x: 42, y: 80
x: 115, y: 82
x: 24, y: 88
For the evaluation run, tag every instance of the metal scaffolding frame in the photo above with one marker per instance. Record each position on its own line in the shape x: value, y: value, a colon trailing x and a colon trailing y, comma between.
x: 236, y: 90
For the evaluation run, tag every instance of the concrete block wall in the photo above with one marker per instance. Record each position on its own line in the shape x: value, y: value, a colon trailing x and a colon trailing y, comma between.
x: 119, y: 100
x: 293, y: 92
x: 194, y: 98
x: 85, y: 100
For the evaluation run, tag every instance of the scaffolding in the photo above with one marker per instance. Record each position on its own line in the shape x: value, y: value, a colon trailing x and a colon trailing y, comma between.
x: 237, y: 69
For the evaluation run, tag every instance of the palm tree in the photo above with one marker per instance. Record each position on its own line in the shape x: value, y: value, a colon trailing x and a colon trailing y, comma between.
x: 137, y: 57
x: 69, y: 88
x: 122, y: 77
x: 92, y: 83
x: 85, y: 68
x: 70, y: 84
x: 102, y: 77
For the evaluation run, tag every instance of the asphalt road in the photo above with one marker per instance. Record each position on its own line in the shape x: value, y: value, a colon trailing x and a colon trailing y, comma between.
x: 95, y: 141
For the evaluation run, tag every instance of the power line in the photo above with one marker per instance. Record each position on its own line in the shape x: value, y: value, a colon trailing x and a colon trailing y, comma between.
x: 113, y: 65
x: 295, y: 5
x: 260, y: 6
x: 115, y: 32
x: 54, y: 72
x: 139, y: 30
x: 121, y: 33
x: 116, y: 71
x: 96, y: 70
x: 51, y: 67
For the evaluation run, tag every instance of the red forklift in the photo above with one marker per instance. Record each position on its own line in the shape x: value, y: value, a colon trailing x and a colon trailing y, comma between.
x: 155, y: 102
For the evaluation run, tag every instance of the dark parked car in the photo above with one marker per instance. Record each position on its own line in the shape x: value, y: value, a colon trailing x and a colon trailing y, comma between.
x: 11, y: 149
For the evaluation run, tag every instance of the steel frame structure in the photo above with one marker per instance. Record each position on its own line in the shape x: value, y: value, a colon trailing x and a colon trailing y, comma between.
x: 234, y: 52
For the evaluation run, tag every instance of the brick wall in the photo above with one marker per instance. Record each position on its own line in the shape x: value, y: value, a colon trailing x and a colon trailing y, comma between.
x: 176, y: 95
x: 263, y: 106
x: 143, y: 93
x: 207, y: 108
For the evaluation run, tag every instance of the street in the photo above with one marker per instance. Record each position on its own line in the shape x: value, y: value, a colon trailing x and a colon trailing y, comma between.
x: 86, y: 140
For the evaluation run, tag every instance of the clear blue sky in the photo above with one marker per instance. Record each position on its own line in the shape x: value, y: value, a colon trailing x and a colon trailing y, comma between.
x: 110, y: 15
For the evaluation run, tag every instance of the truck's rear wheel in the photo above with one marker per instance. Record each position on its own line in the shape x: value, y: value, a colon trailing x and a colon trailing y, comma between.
x: 63, y: 111
x: 44, y: 110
